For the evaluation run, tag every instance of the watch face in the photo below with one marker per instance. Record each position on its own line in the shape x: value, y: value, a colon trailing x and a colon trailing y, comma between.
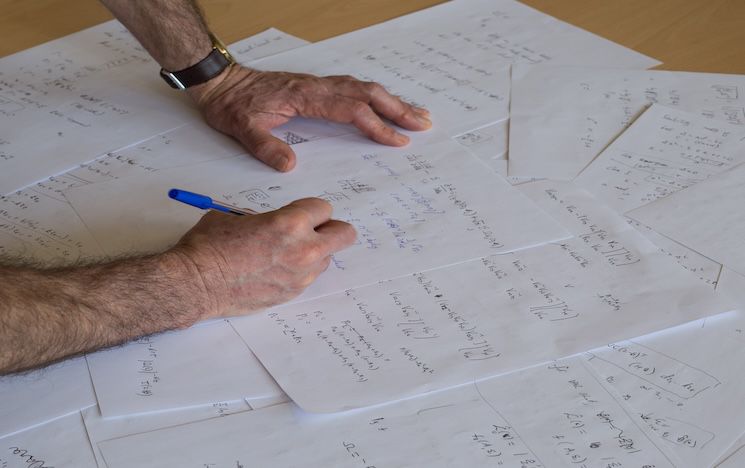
x: 218, y: 44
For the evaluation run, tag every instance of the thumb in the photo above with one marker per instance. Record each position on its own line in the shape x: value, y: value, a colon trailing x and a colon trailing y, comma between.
x: 268, y: 149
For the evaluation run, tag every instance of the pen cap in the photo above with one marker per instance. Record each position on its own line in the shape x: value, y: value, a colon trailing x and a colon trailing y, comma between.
x: 190, y: 198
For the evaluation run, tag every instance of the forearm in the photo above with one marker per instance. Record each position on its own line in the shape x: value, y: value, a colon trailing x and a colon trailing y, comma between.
x: 173, y: 31
x: 46, y: 315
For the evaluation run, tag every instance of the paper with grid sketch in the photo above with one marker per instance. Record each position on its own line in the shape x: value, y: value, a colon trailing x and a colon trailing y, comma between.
x: 548, y: 416
x: 445, y: 327
x: 561, y: 118
x: 419, y: 207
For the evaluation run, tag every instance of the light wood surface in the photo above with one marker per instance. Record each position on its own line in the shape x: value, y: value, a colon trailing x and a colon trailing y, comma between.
x: 694, y: 35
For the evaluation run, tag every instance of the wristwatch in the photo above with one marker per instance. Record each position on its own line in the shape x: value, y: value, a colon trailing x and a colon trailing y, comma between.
x: 212, y: 65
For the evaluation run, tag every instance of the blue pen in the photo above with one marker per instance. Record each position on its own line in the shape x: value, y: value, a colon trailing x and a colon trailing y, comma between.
x: 206, y: 203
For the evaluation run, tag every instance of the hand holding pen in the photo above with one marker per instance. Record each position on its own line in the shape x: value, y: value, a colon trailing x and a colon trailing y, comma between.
x: 248, y: 263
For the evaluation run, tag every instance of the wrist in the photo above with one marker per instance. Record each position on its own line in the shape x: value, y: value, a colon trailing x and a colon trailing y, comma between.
x: 185, y: 282
x: 230, y: 77
x: 201, y: 92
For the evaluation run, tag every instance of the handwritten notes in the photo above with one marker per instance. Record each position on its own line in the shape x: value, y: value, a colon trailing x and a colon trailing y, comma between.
x: 62, y: 442
x: 708, y: 217
x: 561, y: 118
x: 681, y: 384
x: 66, y: 102
x: 551, y: 415
x: 454, y: 58
x: 414, y: 209
x: 431, y: 330
x: 32, y: 398
x: 38, y: 224
x: 664, y: 151
x: 179, y: 369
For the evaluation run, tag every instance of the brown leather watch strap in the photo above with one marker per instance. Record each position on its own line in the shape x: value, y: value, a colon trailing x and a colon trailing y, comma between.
x: 199, y: 73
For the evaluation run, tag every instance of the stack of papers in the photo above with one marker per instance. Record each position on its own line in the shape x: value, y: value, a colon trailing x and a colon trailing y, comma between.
x: 550, y: 277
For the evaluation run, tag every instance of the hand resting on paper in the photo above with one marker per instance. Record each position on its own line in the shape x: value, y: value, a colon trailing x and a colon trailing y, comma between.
x: 225, y: 265
x: 246, y: 104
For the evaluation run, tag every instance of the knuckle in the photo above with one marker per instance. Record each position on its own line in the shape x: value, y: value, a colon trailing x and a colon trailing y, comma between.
x: 359, y: 108
x: 290, y: 222
x: 321, y: 204
x: 374, y: 88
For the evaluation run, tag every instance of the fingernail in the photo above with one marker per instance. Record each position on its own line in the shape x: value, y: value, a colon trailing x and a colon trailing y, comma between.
x: 283, y: 164
x: 424, y: 120
x: 401, y: 138
x: 421, y: 111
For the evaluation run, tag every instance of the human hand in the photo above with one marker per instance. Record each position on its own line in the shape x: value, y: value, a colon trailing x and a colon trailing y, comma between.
x: 248, y: 263
x: 246, y: 104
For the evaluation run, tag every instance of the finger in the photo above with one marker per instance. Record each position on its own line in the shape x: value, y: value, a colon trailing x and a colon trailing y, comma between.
x: 268, y: 149
x: 390, y: 106
x: 336, y: 235
x: 352, y: 111
x: 315, y: 210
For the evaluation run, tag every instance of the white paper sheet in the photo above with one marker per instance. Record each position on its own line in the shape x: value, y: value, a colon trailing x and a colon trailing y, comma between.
x: 561, y: 117
x: 489, y: 144
x: 477, y: 319
x: 551, y: 416
x: 682, y: 384
x: 735, y: 455
x: 708, y: 217
x: 704, y: 268
x: 192, y: 367
x: 60, y: 443
x: 732, y: 285
x: 35, y: 397
x: 264, y: 44
x: 100, y: 429
x: 453, y: 58
x: 415, y: 208
x: 663, y: 151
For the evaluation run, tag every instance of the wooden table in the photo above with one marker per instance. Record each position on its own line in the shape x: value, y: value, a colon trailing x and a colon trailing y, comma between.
x: 693, y: 35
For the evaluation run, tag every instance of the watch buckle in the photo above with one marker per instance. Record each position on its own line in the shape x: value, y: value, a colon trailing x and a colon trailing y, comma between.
x: 172, y: 80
